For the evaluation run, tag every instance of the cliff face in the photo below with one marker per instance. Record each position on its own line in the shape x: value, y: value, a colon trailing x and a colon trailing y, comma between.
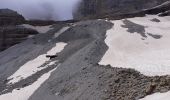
x: 103, y: 7
x: 9, y: 17
x: 10, y: 33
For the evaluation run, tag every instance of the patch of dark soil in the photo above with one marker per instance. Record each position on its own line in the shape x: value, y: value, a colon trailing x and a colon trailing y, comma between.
x: 155, y: 36
x: 155, y: 20
x: 133, y: 27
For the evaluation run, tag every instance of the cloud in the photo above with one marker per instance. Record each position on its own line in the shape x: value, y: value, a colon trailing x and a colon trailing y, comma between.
x: 42, y: 9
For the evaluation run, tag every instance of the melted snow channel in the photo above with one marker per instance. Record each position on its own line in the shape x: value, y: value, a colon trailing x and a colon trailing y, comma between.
x: 127, y: 50
x: 33, y: 66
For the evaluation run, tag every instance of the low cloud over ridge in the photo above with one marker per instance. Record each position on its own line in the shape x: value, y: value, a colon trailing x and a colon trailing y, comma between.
x: 42, y: 9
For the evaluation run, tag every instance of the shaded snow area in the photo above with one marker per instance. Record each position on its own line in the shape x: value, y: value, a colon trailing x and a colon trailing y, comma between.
x: 40, y: 29
x: 26, y: 92
x: 33, y: 66
x: 135, y: 45
x: 158, y: 96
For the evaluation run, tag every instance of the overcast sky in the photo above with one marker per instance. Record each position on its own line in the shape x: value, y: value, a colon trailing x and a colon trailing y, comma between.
x: 42, y: 9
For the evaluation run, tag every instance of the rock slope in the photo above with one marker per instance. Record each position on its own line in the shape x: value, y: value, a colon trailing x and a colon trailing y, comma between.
x: 73, y: 72
x: 99, y: 59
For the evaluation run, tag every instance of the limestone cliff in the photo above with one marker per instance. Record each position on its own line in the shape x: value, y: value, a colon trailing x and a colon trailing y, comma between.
x: 98, y: 8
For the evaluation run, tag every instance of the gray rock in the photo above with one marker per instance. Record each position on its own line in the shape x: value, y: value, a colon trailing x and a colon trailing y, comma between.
x: 10, y: 17
x: 11, y: 35
x: 118, y: 8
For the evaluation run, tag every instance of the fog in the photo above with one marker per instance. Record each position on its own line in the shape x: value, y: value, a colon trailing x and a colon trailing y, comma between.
x: 42, y: 9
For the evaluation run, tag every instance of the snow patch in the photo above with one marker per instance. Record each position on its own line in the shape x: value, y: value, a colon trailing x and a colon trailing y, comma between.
x: 52, y: 63
x: 33, y: 66
x: 40, y: 29
x: 61, y: 31
x: 127, y: 50
x: 158, y: 96
x: 56, y: 49
x: 26, y: 92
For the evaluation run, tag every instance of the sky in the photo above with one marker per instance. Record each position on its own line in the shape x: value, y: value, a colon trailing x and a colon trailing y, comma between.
x: 42, y: 9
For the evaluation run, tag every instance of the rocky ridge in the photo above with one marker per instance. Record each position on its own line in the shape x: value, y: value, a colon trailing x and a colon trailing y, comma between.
x: 10, y: 17
x: 77, y: 74
x: 119, y: 9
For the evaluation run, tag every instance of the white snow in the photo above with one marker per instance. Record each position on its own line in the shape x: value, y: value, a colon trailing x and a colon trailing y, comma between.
x: 40, y: 29
x: 26, y: 92
x: 52, y: 63
x: 56, y: 49
x: 127, y: 50
x: 158, y: 96
x: 33, y: 66
x: 61, y: 31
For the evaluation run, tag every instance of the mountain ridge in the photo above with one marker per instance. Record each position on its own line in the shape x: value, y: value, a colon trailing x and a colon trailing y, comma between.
x: 108, y: 57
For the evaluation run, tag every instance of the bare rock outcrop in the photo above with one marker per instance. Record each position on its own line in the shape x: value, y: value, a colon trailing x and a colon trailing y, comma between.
x: 10, y: 17
x: 11, y: 35
x: 119, y: 9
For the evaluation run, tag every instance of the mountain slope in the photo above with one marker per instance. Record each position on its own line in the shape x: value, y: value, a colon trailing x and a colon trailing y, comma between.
x: 121, y: 56
x: 73, y: 71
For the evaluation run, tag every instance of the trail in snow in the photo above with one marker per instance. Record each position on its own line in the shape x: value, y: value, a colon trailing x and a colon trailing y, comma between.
x: 33, y: 66
x: 26, y: 92
x: 150, y: 56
